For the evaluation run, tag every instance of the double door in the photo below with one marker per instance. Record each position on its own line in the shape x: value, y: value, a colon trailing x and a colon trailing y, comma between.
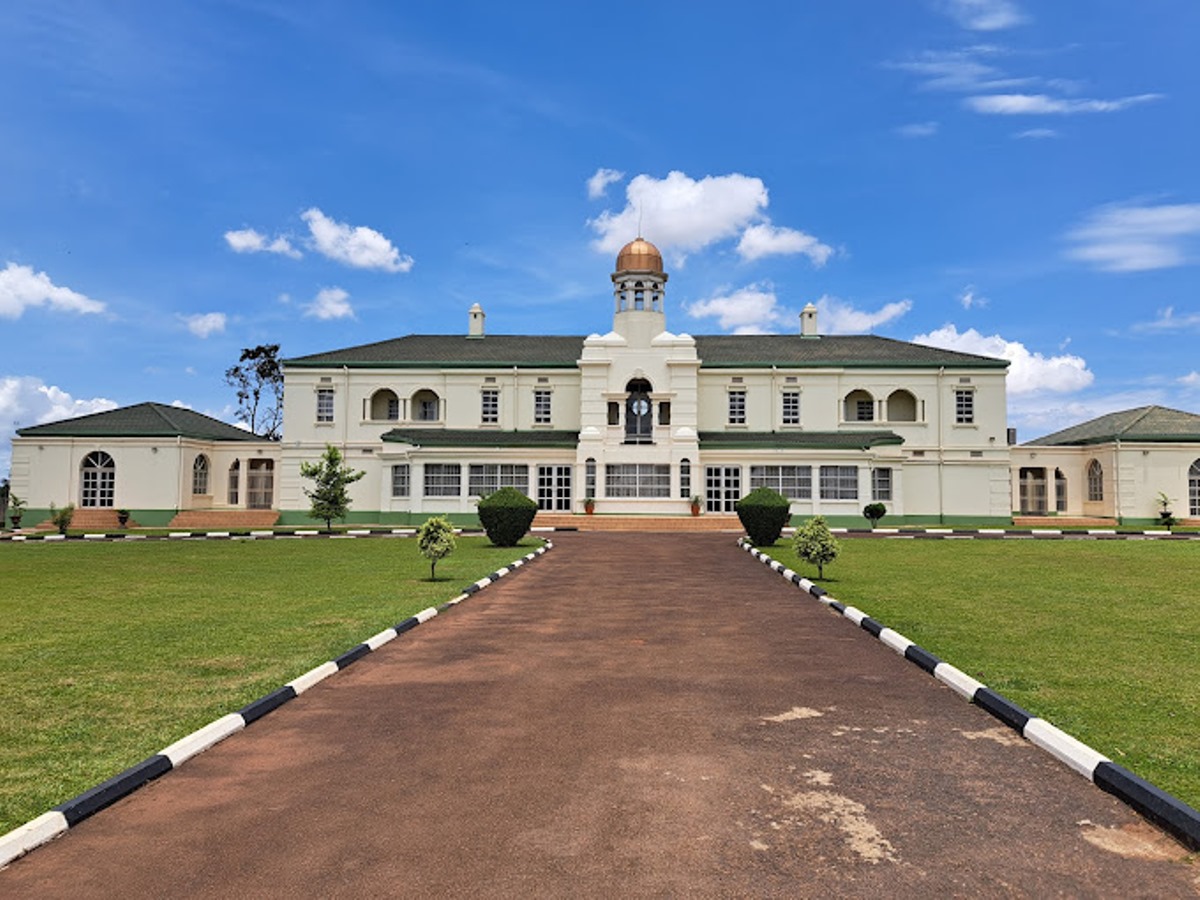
x: 722, y: 488
x: 554, y: 488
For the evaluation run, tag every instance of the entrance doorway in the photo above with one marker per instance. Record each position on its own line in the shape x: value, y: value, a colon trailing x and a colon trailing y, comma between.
x: 722, y: 488
x: 554, y: 488
x: 1032, y: 491
x: 260, y: 484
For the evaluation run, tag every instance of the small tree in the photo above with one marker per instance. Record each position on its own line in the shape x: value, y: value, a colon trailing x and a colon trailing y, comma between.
x: 62, y: 517
x: 435, y: 539
x: 814, y: 543
x: 258, y: 380
x: 329, y: 498
x: 874, y: 512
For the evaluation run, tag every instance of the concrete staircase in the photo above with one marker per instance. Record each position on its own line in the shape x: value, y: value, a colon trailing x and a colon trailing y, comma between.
x: 90, y: 519
x: 224, y: 519
x: 1063, y: 522
x: 706, y: 522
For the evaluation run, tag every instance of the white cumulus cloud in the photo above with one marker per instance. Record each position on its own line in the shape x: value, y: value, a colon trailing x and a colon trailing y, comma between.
x: 204, y: 324
x: 1045, y: 105
x: 22, y: 288
x: 1132, y: 238
x: 597, y: 185
x: 356, y: 246
x: 1028, y: 373
x: 753, y: 309
x: 330, y: 303
x: 836, y: 316
x: 768, y: 240
x: 27, y: 400
x: 247, y: 240
x: 984, y: 15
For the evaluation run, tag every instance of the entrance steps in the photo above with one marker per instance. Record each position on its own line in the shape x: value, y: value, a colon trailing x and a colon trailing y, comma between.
x: 708, y: 522
x: 224, y: 519
x: 90, y: 519
x: 1060, y: 521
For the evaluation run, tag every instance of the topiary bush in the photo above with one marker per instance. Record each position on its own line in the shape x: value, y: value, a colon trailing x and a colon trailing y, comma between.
x: 764, y: 514
x: 874, y: 512
x: 506, y: 516
x: 814, y: 543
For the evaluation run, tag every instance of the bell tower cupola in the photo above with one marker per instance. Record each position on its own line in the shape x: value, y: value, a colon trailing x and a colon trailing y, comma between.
x: 638, y: 293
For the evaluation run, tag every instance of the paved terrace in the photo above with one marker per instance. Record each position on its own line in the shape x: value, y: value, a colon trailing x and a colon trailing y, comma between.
x: 631, y: 715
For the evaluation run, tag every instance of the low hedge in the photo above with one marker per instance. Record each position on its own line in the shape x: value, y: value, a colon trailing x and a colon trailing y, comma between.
x: 764, y: 514
x: 506, y: 516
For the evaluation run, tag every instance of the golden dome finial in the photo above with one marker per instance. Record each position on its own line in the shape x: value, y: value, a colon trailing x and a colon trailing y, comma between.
x: 639, y: 255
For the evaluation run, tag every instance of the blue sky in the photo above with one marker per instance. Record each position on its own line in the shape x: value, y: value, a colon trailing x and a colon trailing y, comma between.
x: 180, y: 181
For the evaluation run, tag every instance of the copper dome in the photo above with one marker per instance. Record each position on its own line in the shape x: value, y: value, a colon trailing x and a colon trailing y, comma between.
x: 639, y: 255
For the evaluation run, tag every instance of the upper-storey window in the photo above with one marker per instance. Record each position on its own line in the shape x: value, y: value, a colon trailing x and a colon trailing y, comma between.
x: 426, y: 407
x: 964, y: 407
x: 324, y: 404
x: 737, y: 407
x: 489, y: 406
x: 901, y: 406
x: 791, y: 408
x: 859, y: 407
x: 385, y: 405
x: 541, y: 406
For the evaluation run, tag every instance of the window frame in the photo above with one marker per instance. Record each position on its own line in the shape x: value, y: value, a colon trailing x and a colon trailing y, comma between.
x: 493, y: 476
x: 737, y: 406
x: 642, y: 481
x: 881, y: 484
x: 201, y: 472
x: 964, y: 406
x: 838, y: 482
x: 792, y: 481
x: 789, y: 398
x: 489, y: 406
x: 401, y: 480
x: 543, y: 408
x: 325, y: 405
x: 442, y: 480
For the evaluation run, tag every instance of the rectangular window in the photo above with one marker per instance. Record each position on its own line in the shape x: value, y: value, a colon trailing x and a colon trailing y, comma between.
x: 864, y: 410
x: 637, y: 480
x: 490, y: 477
x: 737, y: 407
x: 794, y: 482
x: 393, y: 409
x: 964, y: 407
x: 791, y: 408
x: 324, y: 404
x: 614, y: 413
x: 443, y: 479
x: 401, y: 480
x: 664, y: 412
x: 489, y: 406
x: 235, y: 472
x: 685, y: 479
x: 541, y: 407
x: 881, y: 484
x: 839, y: 482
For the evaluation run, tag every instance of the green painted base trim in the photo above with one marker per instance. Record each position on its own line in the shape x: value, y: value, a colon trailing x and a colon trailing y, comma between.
x: 152, y: 518
x: 901, y: 521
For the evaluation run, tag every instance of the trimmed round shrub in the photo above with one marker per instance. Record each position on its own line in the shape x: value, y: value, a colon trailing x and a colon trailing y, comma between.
x: 506, y: 515
x: 764, y: 513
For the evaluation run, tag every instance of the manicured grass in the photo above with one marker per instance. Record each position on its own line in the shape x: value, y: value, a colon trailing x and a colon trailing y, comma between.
x: 112, y: 651
x: 1102, y: 638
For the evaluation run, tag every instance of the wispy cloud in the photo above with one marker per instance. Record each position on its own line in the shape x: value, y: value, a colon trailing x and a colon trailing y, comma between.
x: 247, y: 240
x: 984, y: 15
x: 1133, y: 238
x: 357, y: 246
x: 970, y: 299
x: 962, y: 70
x: 1028, y: 372
x: 597, y: 185
x: 917, y: 130
x: 330, y: 303
x: 1036, y: 134
x: 836, y: 316
x: 1045, y: 105
x: 21, y: 288
x: 1168, y: 321
x: 203, y: 325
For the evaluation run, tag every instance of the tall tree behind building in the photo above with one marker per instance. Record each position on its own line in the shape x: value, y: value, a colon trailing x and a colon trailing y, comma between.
x: 258, y: 380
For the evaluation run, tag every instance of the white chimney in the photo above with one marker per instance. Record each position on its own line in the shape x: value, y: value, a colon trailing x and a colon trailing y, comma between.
x: 808, y: 321
x: 475, y: 317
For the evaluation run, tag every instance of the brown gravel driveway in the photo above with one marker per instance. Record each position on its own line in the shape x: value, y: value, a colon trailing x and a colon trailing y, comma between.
x: 633, y: 715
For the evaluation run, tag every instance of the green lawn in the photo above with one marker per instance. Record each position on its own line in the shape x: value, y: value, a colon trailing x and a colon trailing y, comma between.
x: 111, y: 651
x: 1102, y: 638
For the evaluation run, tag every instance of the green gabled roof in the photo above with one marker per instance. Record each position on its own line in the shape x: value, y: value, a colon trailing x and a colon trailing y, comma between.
x: 142, y: 420
x: 1151, y: 424
x: 797, y: 440
x: 721, y: 351
x: 451, y: 351
x: 725, y: 351
x: 480, y: 437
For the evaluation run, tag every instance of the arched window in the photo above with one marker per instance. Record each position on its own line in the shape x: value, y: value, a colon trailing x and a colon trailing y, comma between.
x: 99, y: 481
x: 639, y: 296
x: 685, y: 479
x: 859, y: 407
x: 1060, y: 491
x: 901, y: 406
x: 200, y: 475
x: 1194, y: 489
x: 1095, y: 481
x: 425, y: 406
x: 385, y: 406
x: 639, y: 420
x: 235, y: 477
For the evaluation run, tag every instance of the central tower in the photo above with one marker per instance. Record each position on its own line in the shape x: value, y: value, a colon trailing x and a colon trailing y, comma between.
x: 638, y: 293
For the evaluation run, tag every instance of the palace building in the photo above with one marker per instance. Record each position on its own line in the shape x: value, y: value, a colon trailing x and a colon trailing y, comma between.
x: 641, y: 419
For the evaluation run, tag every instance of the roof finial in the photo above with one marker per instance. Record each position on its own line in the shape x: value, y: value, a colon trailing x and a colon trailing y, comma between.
x: 639, y: 234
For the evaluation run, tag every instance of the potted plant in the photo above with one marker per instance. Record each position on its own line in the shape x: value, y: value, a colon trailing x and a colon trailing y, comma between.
x: 16, y: 509
x: 589, y: 505
x: 695, y: 504
x: 1166, y: 518
x: 122, y: 517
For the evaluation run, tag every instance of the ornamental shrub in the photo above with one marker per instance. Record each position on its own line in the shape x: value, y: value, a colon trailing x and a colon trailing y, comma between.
x: 814, y: 543
x: 506, y: 515
x: 62, y: 517
x: 874, y: 512
x: 764, y: 514
x: 435, y: 539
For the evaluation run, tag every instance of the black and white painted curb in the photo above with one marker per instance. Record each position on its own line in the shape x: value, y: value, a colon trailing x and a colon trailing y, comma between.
x: 50, y: 825
x: 243, y: 535
x: 1169, y: 812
